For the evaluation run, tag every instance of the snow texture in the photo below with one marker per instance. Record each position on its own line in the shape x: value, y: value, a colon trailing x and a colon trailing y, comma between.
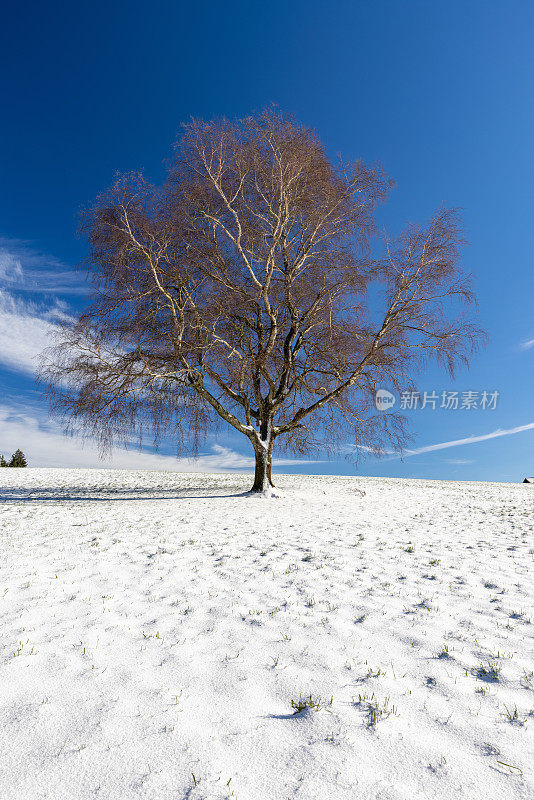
x: 158, y: 629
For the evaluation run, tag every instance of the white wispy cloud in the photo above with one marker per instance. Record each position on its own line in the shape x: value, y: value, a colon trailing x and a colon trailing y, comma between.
x: 527, y: 344
x: 42, y: 441
x: 27, y: 326
x: 10, y: 267
x: 467, y: 440
x: 28, y: 270
x: 25, y: 330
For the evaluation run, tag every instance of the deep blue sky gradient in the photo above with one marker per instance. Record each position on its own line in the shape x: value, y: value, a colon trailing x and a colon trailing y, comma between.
x: 442, y: 93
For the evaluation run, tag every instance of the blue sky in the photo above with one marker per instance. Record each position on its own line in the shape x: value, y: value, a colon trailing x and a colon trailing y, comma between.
x: 440, y: 92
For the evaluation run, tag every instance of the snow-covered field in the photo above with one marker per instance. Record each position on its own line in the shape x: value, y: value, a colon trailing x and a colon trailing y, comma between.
x: 157, y: 628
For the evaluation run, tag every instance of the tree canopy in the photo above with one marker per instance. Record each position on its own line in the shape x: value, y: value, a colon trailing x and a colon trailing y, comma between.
x: 242, y: 290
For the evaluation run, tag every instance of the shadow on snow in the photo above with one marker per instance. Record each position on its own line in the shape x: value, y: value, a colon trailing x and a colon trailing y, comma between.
x: 93, y: 494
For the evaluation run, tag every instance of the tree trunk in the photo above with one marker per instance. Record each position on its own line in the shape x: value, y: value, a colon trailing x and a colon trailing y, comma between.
x: 262, y: 474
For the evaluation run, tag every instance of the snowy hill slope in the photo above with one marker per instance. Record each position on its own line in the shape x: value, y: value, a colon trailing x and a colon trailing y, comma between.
x: 157, y: 630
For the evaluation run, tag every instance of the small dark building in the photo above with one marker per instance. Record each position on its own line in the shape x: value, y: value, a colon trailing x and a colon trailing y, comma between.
x: 528, y: 480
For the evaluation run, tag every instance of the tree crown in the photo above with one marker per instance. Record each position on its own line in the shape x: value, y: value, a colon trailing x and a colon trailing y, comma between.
x: 238, y: 291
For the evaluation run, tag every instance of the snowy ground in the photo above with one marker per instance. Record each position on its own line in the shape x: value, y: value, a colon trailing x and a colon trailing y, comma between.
x: 156, y: 627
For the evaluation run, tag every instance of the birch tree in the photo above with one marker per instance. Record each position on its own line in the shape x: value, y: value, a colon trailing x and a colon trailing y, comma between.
x: 245, y: 290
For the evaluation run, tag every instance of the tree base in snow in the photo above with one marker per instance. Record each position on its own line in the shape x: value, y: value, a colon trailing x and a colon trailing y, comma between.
x: 269, y: 491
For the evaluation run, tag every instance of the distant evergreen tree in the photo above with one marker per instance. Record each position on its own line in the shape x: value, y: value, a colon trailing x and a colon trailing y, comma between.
x: 18, y: 459
x: 3, y: 462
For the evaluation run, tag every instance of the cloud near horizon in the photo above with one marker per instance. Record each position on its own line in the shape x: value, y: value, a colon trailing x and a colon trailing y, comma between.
x: 45, y: 445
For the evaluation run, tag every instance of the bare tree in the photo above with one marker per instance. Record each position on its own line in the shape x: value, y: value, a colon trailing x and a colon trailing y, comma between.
x: 237, y: 291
